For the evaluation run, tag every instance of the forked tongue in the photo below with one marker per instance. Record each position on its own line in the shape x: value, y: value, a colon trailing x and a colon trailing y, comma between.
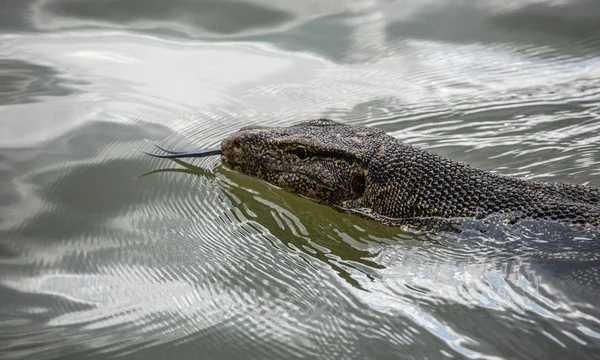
x: 183, y: 154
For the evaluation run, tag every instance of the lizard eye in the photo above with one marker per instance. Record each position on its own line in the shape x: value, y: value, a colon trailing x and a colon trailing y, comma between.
x: 301, y: 153
x: 357, y: 184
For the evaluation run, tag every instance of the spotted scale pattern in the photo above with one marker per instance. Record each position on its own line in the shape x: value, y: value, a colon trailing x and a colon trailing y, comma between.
x: 362, y: 170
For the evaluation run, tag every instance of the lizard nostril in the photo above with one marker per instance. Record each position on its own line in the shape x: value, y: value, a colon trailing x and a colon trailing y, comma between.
x: 235, y: 144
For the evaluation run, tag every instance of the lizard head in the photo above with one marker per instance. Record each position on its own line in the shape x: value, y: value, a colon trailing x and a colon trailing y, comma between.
x: 321, y: 159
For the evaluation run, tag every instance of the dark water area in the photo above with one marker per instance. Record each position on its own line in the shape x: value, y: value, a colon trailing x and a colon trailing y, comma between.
x: 98, y: 260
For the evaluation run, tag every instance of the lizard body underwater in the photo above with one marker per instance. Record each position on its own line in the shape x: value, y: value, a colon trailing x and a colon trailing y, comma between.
x: 362, y: 170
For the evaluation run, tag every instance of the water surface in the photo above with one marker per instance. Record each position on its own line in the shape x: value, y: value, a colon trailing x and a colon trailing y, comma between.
x: 98, y: 261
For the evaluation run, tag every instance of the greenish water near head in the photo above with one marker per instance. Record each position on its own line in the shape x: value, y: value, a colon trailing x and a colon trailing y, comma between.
x: 99, y: 260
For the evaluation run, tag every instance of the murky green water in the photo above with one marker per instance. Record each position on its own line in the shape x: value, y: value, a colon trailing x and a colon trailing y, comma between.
x: 98, y: 261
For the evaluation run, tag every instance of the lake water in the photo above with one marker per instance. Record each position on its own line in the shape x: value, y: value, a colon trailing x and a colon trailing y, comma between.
x: 98, y: 261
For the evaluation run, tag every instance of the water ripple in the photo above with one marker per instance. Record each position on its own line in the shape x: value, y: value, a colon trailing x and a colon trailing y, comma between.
x: 101, y: 260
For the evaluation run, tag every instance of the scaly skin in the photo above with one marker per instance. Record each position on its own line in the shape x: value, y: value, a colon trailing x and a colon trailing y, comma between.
x: 362, y: 170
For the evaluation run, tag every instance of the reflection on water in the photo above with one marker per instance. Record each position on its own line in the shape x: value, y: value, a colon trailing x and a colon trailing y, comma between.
x: 21, y: 82
x: 102, y: 255
x: 226, y: 17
